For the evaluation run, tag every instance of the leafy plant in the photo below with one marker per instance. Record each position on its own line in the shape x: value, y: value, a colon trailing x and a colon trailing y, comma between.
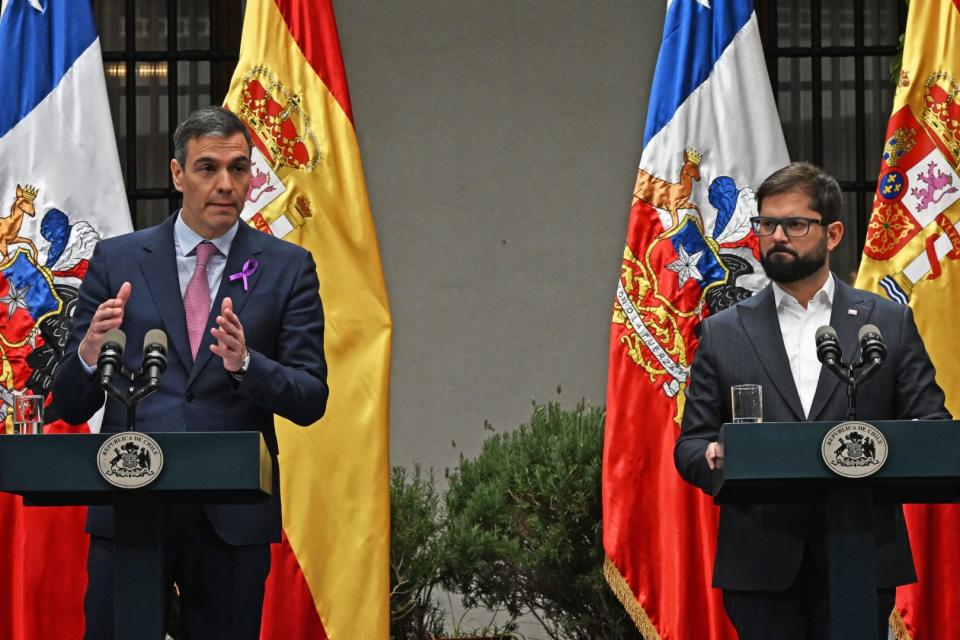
x: 523, y: 528
x: 415, y: 556
x: 417, y: 521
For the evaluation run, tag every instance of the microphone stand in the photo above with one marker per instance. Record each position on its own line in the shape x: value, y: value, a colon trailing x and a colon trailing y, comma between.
x: 852, y: 399
x: 132, y: 394
x: 853, y: 375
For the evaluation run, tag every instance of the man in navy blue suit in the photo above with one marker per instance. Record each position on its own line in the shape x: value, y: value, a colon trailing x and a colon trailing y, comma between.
x: 244, y: 321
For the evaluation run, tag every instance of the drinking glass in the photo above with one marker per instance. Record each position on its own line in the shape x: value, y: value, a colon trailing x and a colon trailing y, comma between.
x: 28, y: 414
x: 747, y: 402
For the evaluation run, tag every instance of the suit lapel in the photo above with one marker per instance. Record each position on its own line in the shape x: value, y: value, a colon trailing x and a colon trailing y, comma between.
x: 159, y: 267
x: 850, y: 312
x: 758, y: 315
x: 246, y: 246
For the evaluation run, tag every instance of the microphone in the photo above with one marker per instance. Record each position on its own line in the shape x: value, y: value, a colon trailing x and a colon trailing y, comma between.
x: 154, y: 353
x: 110, y: 359
x: 872, y: 348
x: 828, y: 347
x: 154, y: 364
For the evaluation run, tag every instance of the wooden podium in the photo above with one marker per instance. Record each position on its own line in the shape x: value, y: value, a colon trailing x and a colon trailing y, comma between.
x: 214, y: 467
x: 782, y: 463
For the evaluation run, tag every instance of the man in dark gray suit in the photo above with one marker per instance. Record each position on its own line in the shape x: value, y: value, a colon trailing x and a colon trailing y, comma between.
x: 771, y: 559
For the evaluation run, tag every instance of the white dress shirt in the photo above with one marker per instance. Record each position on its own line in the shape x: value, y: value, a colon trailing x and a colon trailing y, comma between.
x: 798, y: 326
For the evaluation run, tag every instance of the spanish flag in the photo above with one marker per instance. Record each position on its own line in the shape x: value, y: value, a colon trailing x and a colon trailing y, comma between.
x: 330, y: 575
x: 912, y: 256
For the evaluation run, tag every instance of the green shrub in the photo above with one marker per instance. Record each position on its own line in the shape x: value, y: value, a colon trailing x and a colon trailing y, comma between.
x: 523, y: 527
x: 416, y: 524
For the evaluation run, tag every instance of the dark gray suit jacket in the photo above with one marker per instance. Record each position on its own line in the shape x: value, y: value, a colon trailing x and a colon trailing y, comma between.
x: 759, y: 548
x: 283, y: 325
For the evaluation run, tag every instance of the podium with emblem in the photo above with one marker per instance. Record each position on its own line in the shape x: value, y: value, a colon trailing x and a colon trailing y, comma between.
x: 846, y: 467
x: 91, y: 469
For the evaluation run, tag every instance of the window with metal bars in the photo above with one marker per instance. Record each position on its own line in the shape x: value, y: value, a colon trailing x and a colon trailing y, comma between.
x: 829, y: 65
x: 156, y: 75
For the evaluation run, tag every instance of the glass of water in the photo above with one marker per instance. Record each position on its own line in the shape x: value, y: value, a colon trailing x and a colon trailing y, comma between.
x: 28, y: 414
x: 746, y: 401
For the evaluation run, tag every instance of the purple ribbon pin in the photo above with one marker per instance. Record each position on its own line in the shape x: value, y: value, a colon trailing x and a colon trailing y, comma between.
x: 248, y: 268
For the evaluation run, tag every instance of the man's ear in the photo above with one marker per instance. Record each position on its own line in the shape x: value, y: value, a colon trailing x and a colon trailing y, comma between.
x: 834, y: 234
x: 176, y: 172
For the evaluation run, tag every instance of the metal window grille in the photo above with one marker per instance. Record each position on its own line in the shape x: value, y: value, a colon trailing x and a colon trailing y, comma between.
x: 829, y: 65
x: 162, y: 59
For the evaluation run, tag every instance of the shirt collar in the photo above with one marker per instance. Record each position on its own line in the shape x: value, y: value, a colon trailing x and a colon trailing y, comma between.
x: 823, y: 296
x: 188, y: 239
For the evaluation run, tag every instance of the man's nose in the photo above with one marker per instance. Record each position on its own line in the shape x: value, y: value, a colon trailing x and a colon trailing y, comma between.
x: 224, y: 182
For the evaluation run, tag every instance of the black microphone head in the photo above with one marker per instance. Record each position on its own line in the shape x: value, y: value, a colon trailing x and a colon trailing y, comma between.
x: 114, y: 337
x: 872, y: 347
x: 826, y: 331
x: 828, y: 345
x: 868, y: 329
x: 155, y: 337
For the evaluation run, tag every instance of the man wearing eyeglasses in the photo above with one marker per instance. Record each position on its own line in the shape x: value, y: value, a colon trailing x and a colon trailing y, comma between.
x: 771, y: 559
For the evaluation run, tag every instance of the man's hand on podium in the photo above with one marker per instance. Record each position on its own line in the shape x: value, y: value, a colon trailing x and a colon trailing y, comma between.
x: 714, y: 455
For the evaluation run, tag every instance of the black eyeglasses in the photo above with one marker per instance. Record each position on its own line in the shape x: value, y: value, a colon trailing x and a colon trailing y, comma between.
x: 793, y: 227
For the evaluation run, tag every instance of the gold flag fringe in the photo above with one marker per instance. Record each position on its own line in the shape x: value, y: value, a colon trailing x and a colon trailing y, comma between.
x: 898, y: 626
x: 624, y: 593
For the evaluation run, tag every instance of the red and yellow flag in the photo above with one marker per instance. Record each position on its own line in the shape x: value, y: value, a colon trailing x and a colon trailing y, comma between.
x: 330, y: 576
x: 912, y: 256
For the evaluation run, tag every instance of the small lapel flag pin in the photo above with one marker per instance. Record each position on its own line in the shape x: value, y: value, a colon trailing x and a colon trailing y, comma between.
x: 851, y: 312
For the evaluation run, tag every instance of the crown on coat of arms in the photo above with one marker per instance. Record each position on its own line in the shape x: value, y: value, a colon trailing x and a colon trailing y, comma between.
x: 29, y: 192
x: 277, y: 118
x: 693, y: 156
x: 902, y: 142
x: 941, y: 112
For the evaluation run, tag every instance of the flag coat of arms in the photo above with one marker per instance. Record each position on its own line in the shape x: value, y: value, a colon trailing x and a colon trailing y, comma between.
x: 330, y: 576
x: 912, y: 256
x: 712, y: 133
x: 61, y: 190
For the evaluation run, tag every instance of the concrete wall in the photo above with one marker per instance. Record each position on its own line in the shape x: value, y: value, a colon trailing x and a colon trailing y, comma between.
x: 500, y: 140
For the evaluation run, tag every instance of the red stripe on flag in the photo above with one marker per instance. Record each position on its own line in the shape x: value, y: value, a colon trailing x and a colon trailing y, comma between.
x: 43, y: 565
x: 314, y: 28
x: 928, y: 607
x: 288, y: 609
x: 659, y: 531
x: 43, y: 572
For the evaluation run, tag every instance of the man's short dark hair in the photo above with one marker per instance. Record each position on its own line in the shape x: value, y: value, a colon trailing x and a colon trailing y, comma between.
x: 823, y: 190
x: 207, y: 121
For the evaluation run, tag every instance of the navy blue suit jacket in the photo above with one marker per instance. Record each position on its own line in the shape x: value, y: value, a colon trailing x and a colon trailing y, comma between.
x: 283, y: 324
x: 760, y: 548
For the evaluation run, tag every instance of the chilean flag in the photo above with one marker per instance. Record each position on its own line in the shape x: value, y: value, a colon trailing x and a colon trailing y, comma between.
x: 712, y: 132
x: 61, y: 190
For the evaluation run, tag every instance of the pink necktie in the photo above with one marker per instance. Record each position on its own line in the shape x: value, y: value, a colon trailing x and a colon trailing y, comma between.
x: 196, y: 299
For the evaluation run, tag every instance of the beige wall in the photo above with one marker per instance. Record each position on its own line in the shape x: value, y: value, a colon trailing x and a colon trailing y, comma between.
x: 500, y: 140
